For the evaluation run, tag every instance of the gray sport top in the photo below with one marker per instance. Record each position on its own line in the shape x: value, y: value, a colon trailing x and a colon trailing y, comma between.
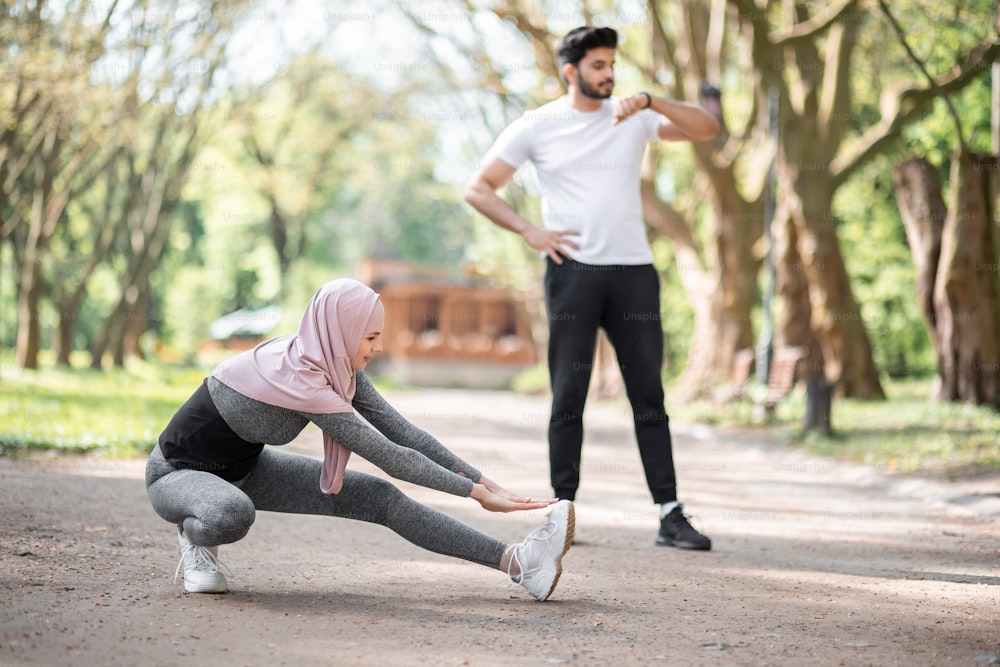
x: 394, y: 444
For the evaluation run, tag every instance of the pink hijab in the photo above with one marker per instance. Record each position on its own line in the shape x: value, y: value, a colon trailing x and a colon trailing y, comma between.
x: 311, y: 370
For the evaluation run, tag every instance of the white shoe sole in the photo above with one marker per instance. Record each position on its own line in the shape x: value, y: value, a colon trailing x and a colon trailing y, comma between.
x: 570, y: 528
x: 206, y: 587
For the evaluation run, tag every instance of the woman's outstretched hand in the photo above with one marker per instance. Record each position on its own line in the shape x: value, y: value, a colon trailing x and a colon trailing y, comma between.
x: 496, y: 489
x: 496, y: 499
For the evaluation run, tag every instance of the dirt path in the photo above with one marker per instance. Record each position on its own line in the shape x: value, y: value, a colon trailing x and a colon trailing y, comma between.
x: 814, y: 563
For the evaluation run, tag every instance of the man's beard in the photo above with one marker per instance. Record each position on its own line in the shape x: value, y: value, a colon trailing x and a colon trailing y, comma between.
x: 589, y: 91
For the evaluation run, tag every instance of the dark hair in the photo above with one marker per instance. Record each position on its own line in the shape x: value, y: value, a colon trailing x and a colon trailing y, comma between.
x: 577, y: 42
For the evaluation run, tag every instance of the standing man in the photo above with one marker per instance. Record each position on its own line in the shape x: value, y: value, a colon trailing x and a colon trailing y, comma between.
x: 587, y: 149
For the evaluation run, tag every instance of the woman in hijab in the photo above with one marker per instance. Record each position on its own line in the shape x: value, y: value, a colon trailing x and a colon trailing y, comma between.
x: 211, y: 472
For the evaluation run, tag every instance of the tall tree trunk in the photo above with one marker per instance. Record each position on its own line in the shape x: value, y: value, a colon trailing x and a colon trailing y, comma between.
x: 965, y: 292
x: 836, y: 316
x: 721, y: 297
x: 957, y: 284
x: 69, y: 304
x: 124, y: 326
x: 278, y: 226
x: 722, y: 288
x: 719, y: 290
x: 105, y: 335
x: 793, y: 314
x: 62, y: 341
x: 136, y: 324
x: 923, y: 211
x: 40, y: 229
x: 29, y: 336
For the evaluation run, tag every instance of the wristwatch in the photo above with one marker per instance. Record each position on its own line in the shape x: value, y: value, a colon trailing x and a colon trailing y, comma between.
x: 649, y: 99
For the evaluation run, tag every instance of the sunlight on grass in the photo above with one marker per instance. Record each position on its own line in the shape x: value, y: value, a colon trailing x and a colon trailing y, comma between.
x: 119, y: 412
x: 910, y: 433
x: 906, y: 433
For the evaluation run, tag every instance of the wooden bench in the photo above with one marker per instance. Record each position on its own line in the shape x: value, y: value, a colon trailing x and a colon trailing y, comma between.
x: 737, y: 388
x: 781, y: 379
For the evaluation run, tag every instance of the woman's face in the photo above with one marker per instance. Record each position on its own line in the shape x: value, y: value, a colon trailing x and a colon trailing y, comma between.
x: 370, y: 344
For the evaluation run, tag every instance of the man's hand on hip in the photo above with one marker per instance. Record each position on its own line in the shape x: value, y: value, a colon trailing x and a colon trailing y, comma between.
x: 552, y: 243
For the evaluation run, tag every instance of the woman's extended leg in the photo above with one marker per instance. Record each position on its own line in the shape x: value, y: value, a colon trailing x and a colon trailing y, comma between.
x: 284, y: 482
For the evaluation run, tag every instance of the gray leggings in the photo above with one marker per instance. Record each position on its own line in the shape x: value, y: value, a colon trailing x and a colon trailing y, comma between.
x: 213, y: 511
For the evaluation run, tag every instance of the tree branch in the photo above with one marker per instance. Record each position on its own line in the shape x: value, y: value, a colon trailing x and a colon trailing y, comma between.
x: 807, y: 30
x: 909, y: 103
x: 923, y: 70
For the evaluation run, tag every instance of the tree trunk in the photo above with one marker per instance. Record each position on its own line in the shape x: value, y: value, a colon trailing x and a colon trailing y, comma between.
x: 62, y: 343
x: 721, y: 291
x: 793, y: 313
x: 29, y: 336
x: 720, y: 295
x: 278, y: 227
x: 836, y: 316
x: 923, y: 210
x: 104, y: 336
x: 957, y: 283
x: 724, y: 326
x: 69, y: 304
x: 136, y: 324
x: 722, y: 287
x: 29, y: 333
x: 965, y: 290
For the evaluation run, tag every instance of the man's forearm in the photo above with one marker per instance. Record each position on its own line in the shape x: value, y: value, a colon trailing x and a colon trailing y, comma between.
x: 493, y: 207
x: 691, y: 119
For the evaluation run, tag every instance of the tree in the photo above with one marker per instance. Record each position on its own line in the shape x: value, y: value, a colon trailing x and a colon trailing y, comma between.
x: 174, y: 59
x: 297, y: 131
x: 44, y: 154
x: 955, y: 250
x: 105, y: 101
x: 815, y: 158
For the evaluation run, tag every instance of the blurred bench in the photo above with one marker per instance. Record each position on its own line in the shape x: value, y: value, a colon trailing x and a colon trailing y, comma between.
x: 737, y: 388
x: 780, y: 382
x: 781, y: 379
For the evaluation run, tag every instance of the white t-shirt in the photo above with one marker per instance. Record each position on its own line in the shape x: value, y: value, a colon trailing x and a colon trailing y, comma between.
x: 588, y: 172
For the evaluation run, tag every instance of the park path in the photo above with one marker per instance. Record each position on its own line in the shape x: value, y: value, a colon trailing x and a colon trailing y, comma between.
x: 814, y: 562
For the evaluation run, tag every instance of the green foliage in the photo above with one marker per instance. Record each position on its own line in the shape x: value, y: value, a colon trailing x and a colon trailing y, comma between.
x: 909, y: 433
x: 117, y: 412
x: 883, y: 275
x: 349, y: 171
x: 676, y: 314
x: 904, y: 434
x: 8, y: 298
x: 191, y: 303
x: 355, y: 167
x: 882, y: 272
x: 121, y: 412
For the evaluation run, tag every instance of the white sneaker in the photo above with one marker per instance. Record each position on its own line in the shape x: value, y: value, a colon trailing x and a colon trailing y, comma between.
x: 539, y: 555
x: 203, y: 571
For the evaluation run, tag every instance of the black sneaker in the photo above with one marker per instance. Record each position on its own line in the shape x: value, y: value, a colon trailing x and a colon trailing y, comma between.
x: 675, y: 531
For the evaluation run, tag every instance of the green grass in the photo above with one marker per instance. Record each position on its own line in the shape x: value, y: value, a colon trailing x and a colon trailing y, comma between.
x: 121, y: 413
x: 116, y: 412
x: 908, y: 433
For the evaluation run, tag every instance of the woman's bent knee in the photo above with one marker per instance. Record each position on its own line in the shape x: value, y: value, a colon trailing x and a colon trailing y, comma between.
x: 213, y: 510
x: 228, y: 520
